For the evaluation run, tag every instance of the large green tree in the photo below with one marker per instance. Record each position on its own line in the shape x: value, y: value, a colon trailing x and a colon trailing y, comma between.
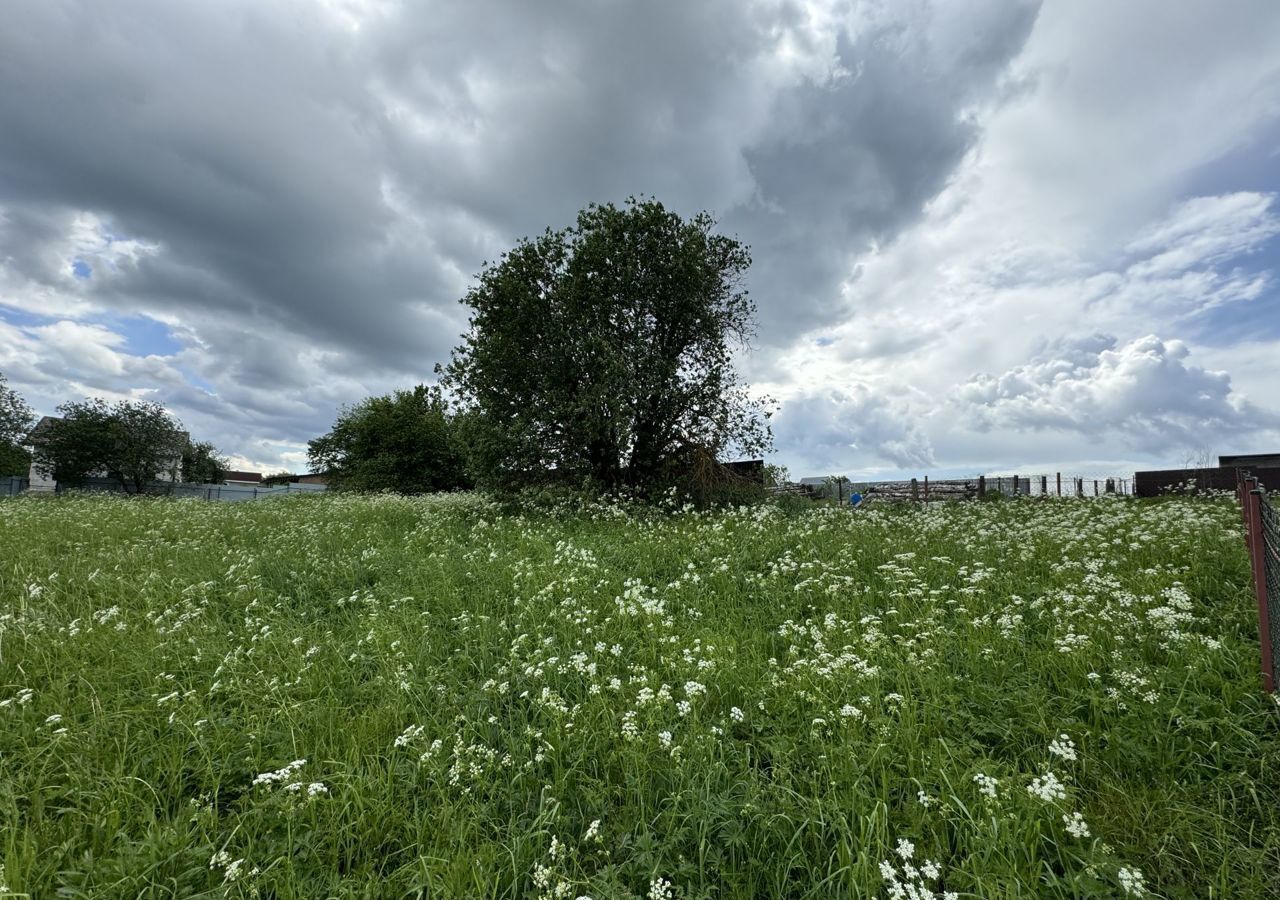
x: 604, y: 352
x: 404, y: 442
x: 133, y: 442
x: 202, y: 463
x: 16, y: 419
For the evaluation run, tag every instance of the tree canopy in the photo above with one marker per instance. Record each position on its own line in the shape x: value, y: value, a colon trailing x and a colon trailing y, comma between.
x: 133, y: 442
x: 16, y: 419
x: 202, y: 463
x: 403, y: 442
x: 603, y: 352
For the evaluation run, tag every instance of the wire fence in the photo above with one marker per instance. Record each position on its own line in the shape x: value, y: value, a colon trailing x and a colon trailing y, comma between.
x: 227, y: 493
x: 925, y: 489
x: 1262, y: 533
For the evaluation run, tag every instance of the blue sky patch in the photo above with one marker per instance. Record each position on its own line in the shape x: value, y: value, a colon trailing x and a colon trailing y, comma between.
x: 20, y: 318
x: 144, y: 336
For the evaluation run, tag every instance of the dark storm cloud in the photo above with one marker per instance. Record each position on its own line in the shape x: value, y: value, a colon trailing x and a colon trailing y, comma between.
x: 312, y: 199
x: 856, y: 161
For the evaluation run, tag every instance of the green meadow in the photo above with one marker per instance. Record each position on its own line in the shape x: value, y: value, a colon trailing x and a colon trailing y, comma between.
x: 352, y: 697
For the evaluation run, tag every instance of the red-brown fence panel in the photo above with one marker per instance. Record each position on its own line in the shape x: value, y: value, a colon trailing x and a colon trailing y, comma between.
x: 1262, y: 532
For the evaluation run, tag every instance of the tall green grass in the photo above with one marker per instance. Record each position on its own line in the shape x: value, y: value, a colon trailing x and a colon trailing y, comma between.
x: 612, y: 702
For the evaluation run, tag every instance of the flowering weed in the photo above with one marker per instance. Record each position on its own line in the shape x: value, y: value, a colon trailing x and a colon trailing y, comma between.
x: 340, y: 696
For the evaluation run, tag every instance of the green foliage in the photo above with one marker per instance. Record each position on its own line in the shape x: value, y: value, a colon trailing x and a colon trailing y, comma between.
x: 776, y: 475
x: 78, y: 445
x: 202, y: 463
x: 580, y: 702
x: 14, y: 460
x: 278, y: 478
x: 794, y: 504
x: 134, y: 442
x: 16, y: 419
x: 405, y: 442
x: 601, y: 353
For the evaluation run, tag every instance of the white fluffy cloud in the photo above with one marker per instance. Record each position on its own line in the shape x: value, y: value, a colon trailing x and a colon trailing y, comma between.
x: 831, y: 427
x: 933, y: 190
x: 1144, y: 391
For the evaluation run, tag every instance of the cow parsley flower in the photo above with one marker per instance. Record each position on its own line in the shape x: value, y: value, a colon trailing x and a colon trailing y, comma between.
x: 1132, y: 882
x: 1047, y: 787
x: 1076, y: 825
x: 1062, y: 746
x: 280, y: 774
x: 661, y: 889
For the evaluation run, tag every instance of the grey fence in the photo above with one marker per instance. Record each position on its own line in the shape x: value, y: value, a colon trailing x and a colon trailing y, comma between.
x: 927, y: 490
x: 1262, y: 533
x: 236, y: 493
x: 228, y: 493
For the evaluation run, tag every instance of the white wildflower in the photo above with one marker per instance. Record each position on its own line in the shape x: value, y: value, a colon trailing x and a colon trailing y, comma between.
x: 661, y: 889
x: 1062, y: 746
x: 1076, y: 825
x: 1132, y: 882
x: 280, y: 774
x: 1047, y: 787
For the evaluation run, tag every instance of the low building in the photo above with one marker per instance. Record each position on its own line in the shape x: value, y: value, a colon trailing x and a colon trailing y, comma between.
x: 242, y: 479
x: 290, y: 478
x: 1251, y: 460
x: 747, y: 469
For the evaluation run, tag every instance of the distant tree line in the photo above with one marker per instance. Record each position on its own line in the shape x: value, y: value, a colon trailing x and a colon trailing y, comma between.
x: 599, y: 356
x: 16, y: 419
x: 133, y: 442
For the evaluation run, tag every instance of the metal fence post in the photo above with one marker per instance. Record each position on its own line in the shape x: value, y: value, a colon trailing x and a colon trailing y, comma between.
x: 1258, y: 563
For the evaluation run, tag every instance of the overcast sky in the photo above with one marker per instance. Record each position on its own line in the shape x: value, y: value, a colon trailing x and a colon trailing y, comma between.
x: 988, y: 236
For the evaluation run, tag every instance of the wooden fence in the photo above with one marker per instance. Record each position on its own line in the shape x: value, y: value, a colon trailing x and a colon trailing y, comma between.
x: 1262, y: 536
x: 1215, y: 478
x: 974, y: 487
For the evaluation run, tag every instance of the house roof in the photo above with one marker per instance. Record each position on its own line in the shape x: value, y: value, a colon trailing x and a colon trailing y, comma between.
x: 237, y: 475
x: 45, y: 423
x: 1244, y: 459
